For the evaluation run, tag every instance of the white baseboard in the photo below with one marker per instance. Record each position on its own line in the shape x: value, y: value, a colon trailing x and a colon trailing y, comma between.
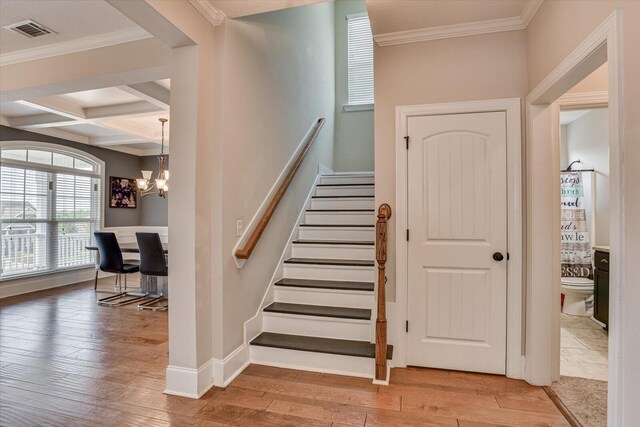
x: 189, y: 382
x: 384, y: 382
x: 227, y: 369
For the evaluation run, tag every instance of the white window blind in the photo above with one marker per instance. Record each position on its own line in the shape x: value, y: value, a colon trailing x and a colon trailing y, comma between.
x: 50, y: 206
x: 360, y: 60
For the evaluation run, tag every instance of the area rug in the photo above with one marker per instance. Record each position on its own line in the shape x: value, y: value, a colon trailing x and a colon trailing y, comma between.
x: 586, y: 399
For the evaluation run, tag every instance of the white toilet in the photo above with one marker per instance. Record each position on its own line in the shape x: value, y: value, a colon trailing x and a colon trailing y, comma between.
x: 577, y: 292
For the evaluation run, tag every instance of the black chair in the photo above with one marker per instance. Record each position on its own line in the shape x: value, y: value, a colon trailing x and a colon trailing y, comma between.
x: 152, y: 263
x: 111, y: 262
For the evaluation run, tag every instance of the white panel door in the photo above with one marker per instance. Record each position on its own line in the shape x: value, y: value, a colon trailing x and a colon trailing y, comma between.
x: 457, y: 217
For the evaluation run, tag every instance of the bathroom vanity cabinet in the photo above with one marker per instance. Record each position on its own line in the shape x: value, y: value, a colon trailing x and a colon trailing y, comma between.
x: 601, y: 286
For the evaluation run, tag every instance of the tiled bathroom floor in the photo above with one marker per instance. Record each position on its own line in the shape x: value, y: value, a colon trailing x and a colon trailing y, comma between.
x: 583, y: 348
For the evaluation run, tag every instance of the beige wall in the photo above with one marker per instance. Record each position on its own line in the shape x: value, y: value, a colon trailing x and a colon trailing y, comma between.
x: 353, y: 149
x: 598, y: 81
x: 489, y: 66
x: 277, y: 78
x: 557, y: 29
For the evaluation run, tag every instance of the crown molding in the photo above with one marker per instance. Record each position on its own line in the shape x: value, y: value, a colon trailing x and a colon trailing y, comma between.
x: 461, y: 30
x: 529, y: 11
x: 213, y: 15
x: 73, y: 46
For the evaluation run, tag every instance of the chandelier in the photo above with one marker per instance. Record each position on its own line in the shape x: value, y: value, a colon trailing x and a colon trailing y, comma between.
x: 161, y: 185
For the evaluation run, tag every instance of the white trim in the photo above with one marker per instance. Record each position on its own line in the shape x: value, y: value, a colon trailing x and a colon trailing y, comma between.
x: 274, y: 189
x: 358, y: 107
x: 583, y: 100
x: 226, y: 370
x: 213, y: 15
x: 73, y: 46
x: 189, y: 382
x: 603, y: 44
x: 461, y: 30
x: 515, y: 362
x: 529, y: 11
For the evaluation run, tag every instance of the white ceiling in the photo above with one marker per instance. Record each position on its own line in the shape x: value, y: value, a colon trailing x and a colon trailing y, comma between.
x: 389, y: 16
x: 73, y: 20
x: 239, y: 8
x: 123, y: 118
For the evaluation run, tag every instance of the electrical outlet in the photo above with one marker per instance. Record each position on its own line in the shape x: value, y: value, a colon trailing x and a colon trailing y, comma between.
x: 239, y: 228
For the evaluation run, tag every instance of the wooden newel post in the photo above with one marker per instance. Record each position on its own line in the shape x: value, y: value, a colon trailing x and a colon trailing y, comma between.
x: 384, y: 213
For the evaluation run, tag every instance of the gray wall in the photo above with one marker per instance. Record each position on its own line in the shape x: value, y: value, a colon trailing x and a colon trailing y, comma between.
x: 354, y: 149
x: 116, y: 164
x: 154, y: 210
x: 587, y: 139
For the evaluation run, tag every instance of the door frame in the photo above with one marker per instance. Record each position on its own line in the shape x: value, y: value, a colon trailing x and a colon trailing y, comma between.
x: 604, y: 44
x: 515, y: 284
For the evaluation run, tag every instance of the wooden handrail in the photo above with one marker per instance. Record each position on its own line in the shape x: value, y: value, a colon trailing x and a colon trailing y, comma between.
x: 249, y: 246
x: 384, y: 213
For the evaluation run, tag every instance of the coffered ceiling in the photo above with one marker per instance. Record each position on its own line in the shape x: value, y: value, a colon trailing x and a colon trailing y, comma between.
x: 122, y: 118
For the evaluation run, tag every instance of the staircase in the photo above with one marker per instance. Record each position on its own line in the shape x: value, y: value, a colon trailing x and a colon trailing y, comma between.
x: 321, y: 318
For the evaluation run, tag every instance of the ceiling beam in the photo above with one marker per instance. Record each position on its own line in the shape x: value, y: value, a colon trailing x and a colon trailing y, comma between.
x: 105, y: 141
x: 41, y: 121
x: 151, y: 92
x: 140, y: 108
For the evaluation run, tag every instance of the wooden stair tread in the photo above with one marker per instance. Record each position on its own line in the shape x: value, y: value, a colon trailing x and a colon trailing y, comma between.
x: 342, y: 197
x: 338, y: 225
x: 357, y: 184
x: 319, y: 310
x: 341, y: 210
x: 325, y: 261
x: 326, y: 284
x: 334, y: 242
x: 319, y: 345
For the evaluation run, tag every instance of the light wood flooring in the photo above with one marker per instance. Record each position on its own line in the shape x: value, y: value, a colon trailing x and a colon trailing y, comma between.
x: 64, y: 361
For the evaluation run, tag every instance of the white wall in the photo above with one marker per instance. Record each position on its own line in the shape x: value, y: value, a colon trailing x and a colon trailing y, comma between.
x: 276, y: 79
x: 354, y: 150
x: 587, y: 139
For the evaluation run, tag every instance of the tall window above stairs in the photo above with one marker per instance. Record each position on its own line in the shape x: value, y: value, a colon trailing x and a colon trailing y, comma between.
x: 360, y: 60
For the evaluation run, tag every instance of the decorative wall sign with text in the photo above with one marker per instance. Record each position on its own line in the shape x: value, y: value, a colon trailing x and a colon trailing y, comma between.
x: 576, y: 205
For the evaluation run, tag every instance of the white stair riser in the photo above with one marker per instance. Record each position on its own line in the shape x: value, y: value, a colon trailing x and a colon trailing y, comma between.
x: 329, y: 272
x: 339, y: 218
x: 343, y: 203
x: 309, y: 326
x: 363, y: 190
x: 355, y: 179
x: 333, y: 251
x: 315, y: 362
x: 338, y: 233
x: 328, y: 297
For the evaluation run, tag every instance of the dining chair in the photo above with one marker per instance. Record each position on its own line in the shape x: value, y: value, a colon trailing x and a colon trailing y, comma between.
x: 153, y: 262
x: 111, y: 262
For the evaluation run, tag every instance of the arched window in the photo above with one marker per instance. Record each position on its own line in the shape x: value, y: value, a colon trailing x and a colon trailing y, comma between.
x: 50, y: 205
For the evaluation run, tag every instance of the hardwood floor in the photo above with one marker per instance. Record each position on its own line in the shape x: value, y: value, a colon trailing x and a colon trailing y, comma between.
x: 64, y: 361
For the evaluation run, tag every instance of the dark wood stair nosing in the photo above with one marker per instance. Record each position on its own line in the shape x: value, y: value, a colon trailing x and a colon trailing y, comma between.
x: 319, y: 311
x: 341, y: 210
x: 334, y: 346
x: 334, y: 242
x: 331, y: 261
x: 358, y: 184
x: 343, y: 197
x: 339, y: 225
x: 334, y: 285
